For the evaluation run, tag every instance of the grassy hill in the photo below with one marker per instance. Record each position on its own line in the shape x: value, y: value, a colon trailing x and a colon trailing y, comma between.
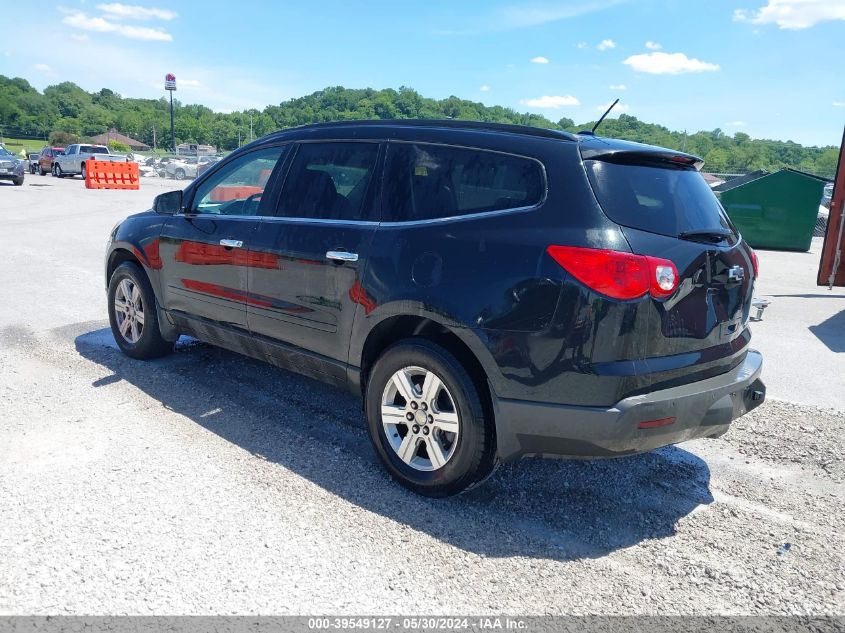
x: 66, y: 107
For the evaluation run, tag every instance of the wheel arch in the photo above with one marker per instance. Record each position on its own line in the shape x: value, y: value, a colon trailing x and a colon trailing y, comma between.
x: 458, y: 342
x: 122, y: 254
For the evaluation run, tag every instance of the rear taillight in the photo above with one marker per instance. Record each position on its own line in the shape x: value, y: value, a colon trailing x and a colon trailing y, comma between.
x: 615, y: 274
x: 755, y: 263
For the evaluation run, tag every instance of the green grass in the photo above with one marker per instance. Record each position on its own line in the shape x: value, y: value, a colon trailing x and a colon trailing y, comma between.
x: 14, y: 145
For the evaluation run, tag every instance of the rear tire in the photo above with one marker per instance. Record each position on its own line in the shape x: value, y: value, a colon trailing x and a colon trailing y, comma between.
x: 83, y: 171
x: 133, y: 315
x: 180, y: 174
x: 449, y: 445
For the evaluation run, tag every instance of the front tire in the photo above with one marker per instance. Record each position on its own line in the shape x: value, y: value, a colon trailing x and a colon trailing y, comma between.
x: 18, y: 182
x: 132, y: 314
x: 180, y: 174
x: 426, y: 420
x: 41, y: 170
x: 83, y: 171
x: 57, y: 172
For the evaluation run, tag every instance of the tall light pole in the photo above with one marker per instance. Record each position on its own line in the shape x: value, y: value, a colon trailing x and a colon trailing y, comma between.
x: 170, y: 86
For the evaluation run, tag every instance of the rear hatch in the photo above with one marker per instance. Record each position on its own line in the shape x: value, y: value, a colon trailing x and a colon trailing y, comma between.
x: 666, y: 210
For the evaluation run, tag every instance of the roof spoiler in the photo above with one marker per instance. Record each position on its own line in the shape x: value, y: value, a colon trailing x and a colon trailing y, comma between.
x: 642, y: 156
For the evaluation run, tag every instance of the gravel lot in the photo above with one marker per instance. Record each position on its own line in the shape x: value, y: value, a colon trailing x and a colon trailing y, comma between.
x: 206, y: 483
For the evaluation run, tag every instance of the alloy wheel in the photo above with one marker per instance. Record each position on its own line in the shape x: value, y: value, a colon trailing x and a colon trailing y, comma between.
x: 420, y: 418
x: 129, y: 311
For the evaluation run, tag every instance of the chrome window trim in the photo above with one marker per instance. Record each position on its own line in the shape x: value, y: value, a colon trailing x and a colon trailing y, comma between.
x: 278, y: 218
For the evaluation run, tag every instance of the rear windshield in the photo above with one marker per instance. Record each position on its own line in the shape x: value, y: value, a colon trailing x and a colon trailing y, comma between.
x: 93, y: 149
x: 664, y: 200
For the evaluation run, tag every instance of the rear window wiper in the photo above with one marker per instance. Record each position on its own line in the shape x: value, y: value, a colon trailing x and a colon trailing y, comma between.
x: 706, y: 235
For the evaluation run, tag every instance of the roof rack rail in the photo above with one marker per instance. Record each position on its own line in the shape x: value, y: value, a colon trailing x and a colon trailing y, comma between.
x: 510, y: 128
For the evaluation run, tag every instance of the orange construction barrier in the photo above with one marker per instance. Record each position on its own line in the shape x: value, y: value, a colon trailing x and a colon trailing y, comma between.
x: 101, y: 174
x: 224, y: 193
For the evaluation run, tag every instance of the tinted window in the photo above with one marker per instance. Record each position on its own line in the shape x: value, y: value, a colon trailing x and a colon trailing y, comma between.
x: 329, y: 181
x: 93, y: 149
x: 661, y: 200
x: 237, y: 187
x: 424, y: 182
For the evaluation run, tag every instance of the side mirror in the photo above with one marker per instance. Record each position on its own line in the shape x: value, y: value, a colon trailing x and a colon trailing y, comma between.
x: 169, y: 203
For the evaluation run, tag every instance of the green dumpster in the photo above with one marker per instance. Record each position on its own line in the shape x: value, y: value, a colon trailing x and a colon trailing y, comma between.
x: 774, y: 210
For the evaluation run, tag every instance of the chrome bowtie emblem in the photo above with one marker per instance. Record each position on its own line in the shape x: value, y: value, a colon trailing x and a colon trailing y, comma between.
x: 736, y: 273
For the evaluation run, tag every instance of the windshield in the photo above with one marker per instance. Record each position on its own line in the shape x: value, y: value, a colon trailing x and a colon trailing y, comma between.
x: 5, y: 152
x: 665, y: 200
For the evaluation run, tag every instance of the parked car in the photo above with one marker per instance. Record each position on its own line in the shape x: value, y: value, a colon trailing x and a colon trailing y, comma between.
x: 11, y: 167
x: 32, y: 162
x: 45, y: 160
x: 204, y: 163
x: 490, y: 291
x: 181, y: 168
x: 72, y: 160
x: 827, y: 195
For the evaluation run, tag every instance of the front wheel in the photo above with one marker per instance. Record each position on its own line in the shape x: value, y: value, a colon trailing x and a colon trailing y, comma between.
x: 41, y: 170
x: 57, y: 172
x: 180, y: 174
x: 83, y: 171
x: 18, y: 182
x: 132, y: 314
x: 426, y: 420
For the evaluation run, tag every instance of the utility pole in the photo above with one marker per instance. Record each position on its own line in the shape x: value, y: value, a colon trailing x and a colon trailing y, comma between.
x: 250, y: 127
x: 155, y: 148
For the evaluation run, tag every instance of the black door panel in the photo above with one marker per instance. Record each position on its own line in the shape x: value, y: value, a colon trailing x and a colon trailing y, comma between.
x: 205, y: 251
x: 309, y: 299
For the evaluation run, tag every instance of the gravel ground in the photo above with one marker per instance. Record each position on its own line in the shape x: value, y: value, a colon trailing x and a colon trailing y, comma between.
x: 207, y: 483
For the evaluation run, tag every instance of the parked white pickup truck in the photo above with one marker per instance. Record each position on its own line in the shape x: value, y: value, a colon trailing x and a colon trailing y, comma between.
x: 72, y: 161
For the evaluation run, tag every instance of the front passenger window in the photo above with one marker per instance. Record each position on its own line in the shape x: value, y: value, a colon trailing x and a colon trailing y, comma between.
x: 236, y: 189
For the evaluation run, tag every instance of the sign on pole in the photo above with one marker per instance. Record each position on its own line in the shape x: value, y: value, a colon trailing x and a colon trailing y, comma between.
x: 170, y: 81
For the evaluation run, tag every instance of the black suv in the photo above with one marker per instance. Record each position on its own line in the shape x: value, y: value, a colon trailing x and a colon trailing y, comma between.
x: 491, y: 291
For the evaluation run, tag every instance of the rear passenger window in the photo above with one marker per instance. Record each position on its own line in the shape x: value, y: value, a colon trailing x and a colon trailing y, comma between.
x: 330, y: 181
x: 425, y: 182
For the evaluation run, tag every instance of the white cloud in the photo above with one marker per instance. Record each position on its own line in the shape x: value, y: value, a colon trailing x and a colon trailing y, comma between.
x: 84, y: 22
x: 668, y: 64
x: 606, y: 44
x: 618, y: 87
x: 551, y: 102
x: 839, y: 104
x: 134, y: 12
x: 582, y: 45
x: 191, y: 83
x: 619, y: 108
x: 43, y: 68
x: 540, y: 60
x: 484, y: 88
x: 793, y: 14
x: 653, y: 46
x: 80, y: 37
x: 736, y: 124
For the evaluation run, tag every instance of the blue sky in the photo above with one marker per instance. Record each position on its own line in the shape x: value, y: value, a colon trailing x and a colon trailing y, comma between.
x: 770, y: 68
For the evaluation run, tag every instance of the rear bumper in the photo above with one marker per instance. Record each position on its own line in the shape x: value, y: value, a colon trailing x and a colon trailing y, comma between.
x: 700, y: 409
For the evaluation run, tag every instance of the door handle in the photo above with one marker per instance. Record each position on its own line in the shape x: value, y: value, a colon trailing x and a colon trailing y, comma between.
x: 342, y: 256
x: 231, y: 243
